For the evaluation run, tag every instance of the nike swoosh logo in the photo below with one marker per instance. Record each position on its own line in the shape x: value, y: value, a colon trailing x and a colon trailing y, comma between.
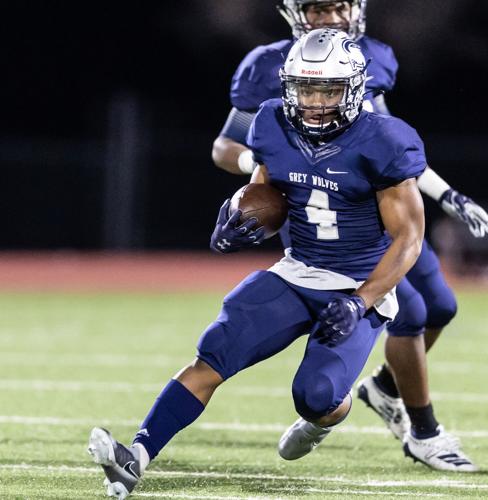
x: 128, y: 468
x: 329, y: 171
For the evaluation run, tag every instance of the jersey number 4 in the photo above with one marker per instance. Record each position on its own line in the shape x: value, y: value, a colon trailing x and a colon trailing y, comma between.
x: 318, y: 212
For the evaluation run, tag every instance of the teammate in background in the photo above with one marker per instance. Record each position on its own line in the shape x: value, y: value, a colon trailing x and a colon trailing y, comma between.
x: 427, y: 304
x: 335, y: 283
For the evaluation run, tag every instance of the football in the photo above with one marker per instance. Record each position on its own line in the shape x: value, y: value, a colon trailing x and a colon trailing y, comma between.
x: 264, y: 202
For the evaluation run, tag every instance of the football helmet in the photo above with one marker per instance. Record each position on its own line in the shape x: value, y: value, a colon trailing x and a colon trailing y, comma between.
x: 323, y: 83
x: 293, y: 12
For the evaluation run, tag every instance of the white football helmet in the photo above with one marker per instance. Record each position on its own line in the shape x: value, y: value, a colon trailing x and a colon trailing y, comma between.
x: 293, y: 12
x: 323, y: 83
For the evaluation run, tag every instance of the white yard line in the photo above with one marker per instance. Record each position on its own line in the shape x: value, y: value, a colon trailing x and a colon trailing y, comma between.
x: 460, y: 397
x: 175, y: 494
x: 64, y: 422
x: 196, y: 497
x: 347, y: 491
x: 345, y: 428
x: 371, y: 483
x: 298, y: 491
x: 128, y: 387
x: 206, y: 426
x: 103, y: 360
x: 75, y: 386
x: 457, y: 367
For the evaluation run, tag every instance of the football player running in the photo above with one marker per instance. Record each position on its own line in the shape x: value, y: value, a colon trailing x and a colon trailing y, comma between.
x: 426, y: 302
x: 335, y: 283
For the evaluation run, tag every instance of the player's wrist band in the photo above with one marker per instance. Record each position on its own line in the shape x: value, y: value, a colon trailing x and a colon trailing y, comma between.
x: 432, y: 185
x: 246, y: 162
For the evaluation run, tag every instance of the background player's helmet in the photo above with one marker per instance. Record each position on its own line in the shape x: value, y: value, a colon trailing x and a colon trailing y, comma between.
x: 292, y: 11
x: 325, y: 59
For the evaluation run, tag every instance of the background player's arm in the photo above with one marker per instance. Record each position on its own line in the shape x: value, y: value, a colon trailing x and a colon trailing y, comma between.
x: 229, y: 151
x: 379, y: 105
x: 225, y: 154
x: 434, y: 186
x: 402, y: 212
x: 454, y: 203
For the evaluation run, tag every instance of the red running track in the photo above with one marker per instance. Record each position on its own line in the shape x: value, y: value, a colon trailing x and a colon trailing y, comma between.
x: 157, y: 271
x: 160, y: 272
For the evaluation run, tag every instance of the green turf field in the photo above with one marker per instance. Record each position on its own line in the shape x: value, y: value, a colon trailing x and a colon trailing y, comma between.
x: 69, y: 362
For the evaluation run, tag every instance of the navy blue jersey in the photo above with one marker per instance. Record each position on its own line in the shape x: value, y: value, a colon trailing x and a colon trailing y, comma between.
x: 257, y: 77
x: 382, y: 68
x: 331, y: 188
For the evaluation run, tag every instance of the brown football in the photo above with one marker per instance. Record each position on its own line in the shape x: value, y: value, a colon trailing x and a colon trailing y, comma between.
x: 264, y: 202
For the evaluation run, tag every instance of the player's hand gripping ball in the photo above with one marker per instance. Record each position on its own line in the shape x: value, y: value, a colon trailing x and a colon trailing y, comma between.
x: 230, y: 234
x: 263, y: 202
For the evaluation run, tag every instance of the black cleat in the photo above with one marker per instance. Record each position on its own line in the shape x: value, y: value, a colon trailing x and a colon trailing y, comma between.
x: 120, y: 464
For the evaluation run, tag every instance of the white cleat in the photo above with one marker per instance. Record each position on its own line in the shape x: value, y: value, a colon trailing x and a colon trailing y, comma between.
x: 391, y: 410
x: 441, y: 452
x: 117, y: 490
x: 300, y: 439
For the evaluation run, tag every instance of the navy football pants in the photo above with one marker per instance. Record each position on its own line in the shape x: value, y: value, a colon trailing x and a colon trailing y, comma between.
x: 263, y: 315
x: 424, y: 297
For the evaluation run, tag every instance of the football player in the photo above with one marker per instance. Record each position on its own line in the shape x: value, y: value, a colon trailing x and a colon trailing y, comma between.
x: 335, y: 282
x: 427, y: 304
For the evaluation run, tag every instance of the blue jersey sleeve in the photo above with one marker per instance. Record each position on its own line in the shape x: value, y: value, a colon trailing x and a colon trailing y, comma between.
x: 256, y: 135
x: 399, y: 154
x: 383, y: 65
x: 237, y: 125
x: 257, y: 77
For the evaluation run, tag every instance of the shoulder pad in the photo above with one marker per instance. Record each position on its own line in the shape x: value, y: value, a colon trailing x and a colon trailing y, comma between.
x: 263, y: 128
x: 393, y: 149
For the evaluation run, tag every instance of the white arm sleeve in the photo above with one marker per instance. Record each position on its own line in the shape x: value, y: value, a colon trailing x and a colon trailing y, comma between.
x: 246, y: 162
x: 432, y: 184
x: 380, y: 105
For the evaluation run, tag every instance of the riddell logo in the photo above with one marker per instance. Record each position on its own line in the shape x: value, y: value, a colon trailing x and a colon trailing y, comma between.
x: 311, y: 71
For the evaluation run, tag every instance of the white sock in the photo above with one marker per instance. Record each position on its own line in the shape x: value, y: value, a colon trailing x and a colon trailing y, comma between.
x: 143, y: 456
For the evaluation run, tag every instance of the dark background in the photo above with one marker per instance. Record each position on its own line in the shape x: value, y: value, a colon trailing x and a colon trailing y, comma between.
x: 109, y: 110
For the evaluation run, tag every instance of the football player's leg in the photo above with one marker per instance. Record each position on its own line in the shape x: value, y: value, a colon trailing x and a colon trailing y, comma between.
x: 405, y: 354
x: 404, y: 347
x: 426, y: 276
x: 428, y: 442
x: 259, y: 318
x: 322, y: 385
x: 175, y: 408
